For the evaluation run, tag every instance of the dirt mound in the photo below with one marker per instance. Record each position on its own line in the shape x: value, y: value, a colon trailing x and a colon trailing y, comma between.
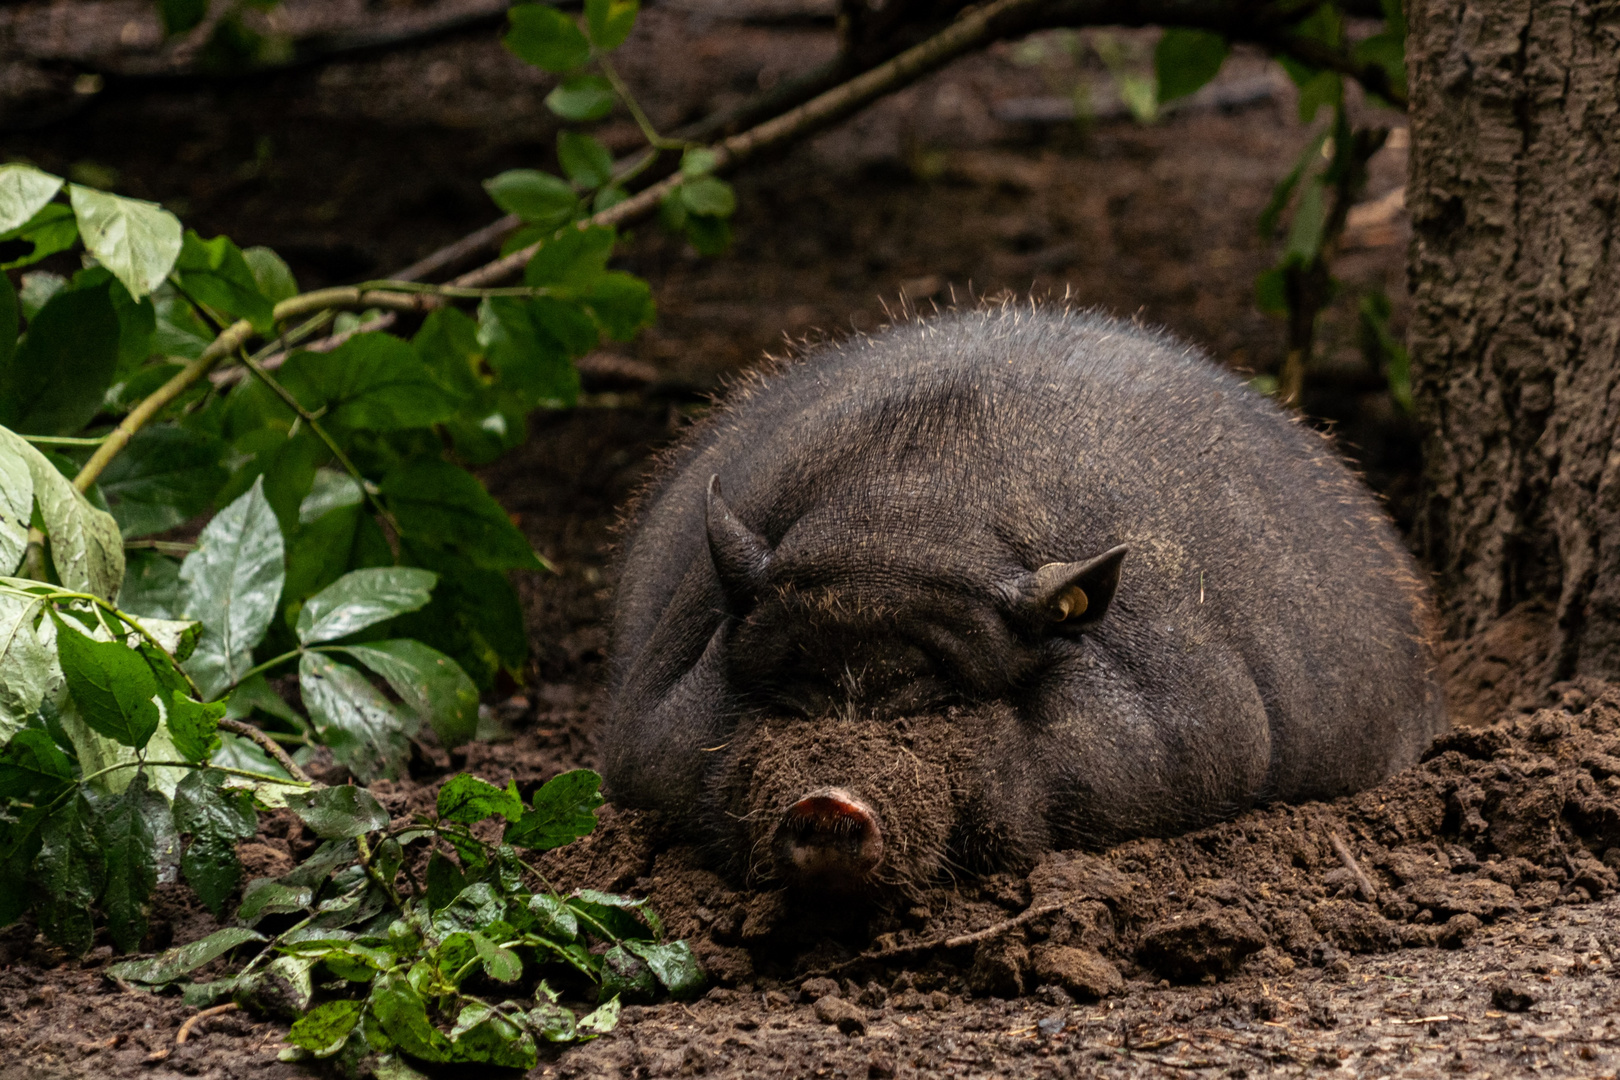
x: 1517, y: 817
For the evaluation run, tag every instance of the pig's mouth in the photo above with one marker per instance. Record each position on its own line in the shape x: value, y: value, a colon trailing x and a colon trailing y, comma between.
x: 830, y: 839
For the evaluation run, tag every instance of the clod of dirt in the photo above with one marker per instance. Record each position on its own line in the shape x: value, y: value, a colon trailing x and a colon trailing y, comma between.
x: 845, y: 1015
x: 1511, y: 996
x: 1354, y: 926
x: 812, y: 990
x: 999, y: 968
x: 1186, y: 948
x: 1085, y: 974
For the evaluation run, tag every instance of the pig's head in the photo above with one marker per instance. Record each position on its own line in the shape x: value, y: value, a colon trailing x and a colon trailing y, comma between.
x: 880, y: 684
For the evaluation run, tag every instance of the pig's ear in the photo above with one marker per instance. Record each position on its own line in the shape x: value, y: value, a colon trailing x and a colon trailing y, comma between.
x: 741, y: 557
x: 1069, y: 596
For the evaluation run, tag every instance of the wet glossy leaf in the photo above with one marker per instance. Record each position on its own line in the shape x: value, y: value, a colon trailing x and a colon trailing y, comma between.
x: 587, y: 162
x: 672, y: 964
x: 138, y: 241
x: 325, y: 1029
x: 563, y: 811
x: 603, y: 1019
x: 16, y: 498
x: 536, y: 197
x: 429, y: 683
x: 26, y: 665
x: 111, y: 684
x: 545, y: 37
x: 33, y: 768
x: 339, y: 813
x: 439, y: 504
x: 364, y: 730
x: 372, y: 382
x: 581, y: 98
x: 1186, y: 59
x: 69, y: 873
x: 56, y: 380
x: 362, y: 598
x: 554, y: 918
x: 483, y: 1035
x: 193, y: 726
x: 267, y: 896
x: 164, y: 477
x: 217, y: 817
x: 171, y: 965
x: 467, y: 799
x: 231, y: 585
x: 215, y: 273
x: 402, y: 1015
x: 136, y: 832
x: 627, y: 976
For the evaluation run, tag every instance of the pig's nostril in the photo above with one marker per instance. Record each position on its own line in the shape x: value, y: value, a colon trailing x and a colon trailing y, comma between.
x: 830, y: 838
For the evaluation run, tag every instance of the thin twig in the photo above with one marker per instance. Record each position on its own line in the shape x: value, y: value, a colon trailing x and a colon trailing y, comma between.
x: 955, y: 942
x: 269, y: 746
x: 1369, y: 893
x: 191, y: 1023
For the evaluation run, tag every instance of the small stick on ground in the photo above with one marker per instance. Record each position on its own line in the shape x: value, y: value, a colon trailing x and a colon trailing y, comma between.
x: 269, y: 746
x: 190, y: 1025
x: 1368, y: 893
x: 955, y: 942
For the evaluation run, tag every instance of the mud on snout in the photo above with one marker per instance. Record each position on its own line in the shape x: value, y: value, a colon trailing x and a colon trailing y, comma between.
x: 851, y: 806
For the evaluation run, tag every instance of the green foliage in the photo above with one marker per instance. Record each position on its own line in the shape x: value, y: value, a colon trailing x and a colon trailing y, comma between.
x: 464, y: 970
x: 1187, y: 59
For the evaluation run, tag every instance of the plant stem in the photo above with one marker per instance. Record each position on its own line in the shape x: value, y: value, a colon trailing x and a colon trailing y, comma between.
x: 65, y: 440
x: 371, y: 871
x: 263, y: 777
x: 269, y: 746
x: 648, y: 132
x: 258, y: 668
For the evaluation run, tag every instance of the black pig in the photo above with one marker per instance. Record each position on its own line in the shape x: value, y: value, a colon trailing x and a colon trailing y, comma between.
x: 997, y: 582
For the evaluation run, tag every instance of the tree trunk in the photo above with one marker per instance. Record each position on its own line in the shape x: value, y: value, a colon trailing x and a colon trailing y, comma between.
x: 1515, y: 335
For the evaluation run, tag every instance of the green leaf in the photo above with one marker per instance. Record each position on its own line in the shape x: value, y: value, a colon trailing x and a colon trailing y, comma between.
x: 1186, y: 59
x: 1388, y: 51
x: 19, y: 842
x: 164, y: 477
x: 1271, y: 291
x: 68, y: 874
x: 475, y: 617
x: 536, y: 197
x: 575, y: 257
x: 193, y: 726
x: 372, y: 382
x: 10, y: 325
x: 362, y: 598
x: 581, y: 98
x: 16, y: 505
x: 27, y: 668
x: 402, y: 1015
x: 364, y: 730
x: 673, y: 964
x: 214, y: 272
x: 113, y: 687
x: 587, y: 162
x: 551, y: 1022
x: 217, y: 817
x: 545, y: 37
x: 708, y: 235
x: 620, y: 916
x: 603, y: 1019
x: 521, y: 342
x: 171, y: 965
x: 267, y: 896
x: 151, y: 586
x: 483, y: 1035
x: 86, y: 550
x: 33, y: 768
x: 339, y: 813
x: 1285, y: 187
x: 428, y: 682
x: 59, y: 374
x: 325, y: 1029
x: 271, y: 274
x: 51, y: 230
x: 708, y: 195
x: 622, y: 304
x: 231, y: 585
x: 136, y: 832
x: 563, y: 811
x: 338, y: 538
x: 437, y: 503
x: 698, y: 161
x: 500, y: 964
x: 24, y: 190
x: 1322, y: 88
x: 467, y: 799
x: 1305, y: 232
x: 610, y: 21
x: 138, y: 241
x: 444, y: 881
x: 627, y: 976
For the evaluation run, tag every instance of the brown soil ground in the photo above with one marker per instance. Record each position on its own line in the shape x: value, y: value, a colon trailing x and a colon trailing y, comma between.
x: 1484, y: 936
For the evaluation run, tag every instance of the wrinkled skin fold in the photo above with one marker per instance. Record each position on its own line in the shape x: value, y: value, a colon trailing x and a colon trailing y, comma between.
x: 1003, y: 581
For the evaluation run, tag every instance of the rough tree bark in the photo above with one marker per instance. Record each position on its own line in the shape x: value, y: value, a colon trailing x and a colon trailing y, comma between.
x: 1515, y: 337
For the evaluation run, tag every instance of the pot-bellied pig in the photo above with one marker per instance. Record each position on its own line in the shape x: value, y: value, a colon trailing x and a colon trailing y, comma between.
x: 1002, y: 581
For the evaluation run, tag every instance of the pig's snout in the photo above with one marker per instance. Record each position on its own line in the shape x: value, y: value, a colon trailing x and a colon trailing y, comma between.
x: 828, y: 839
